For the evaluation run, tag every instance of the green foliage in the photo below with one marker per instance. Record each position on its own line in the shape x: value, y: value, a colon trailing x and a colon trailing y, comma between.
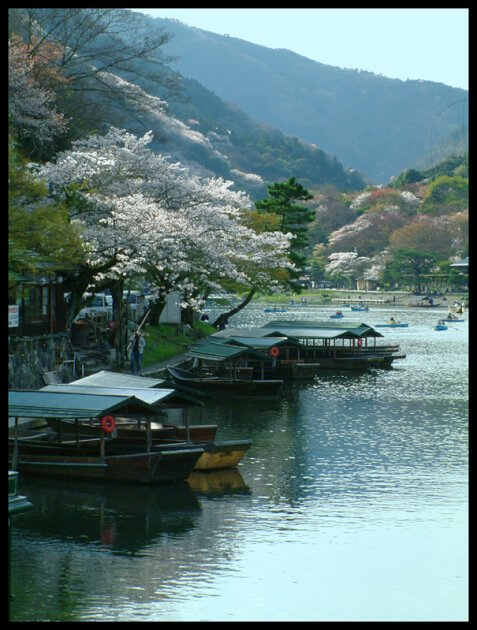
x: 449, y: 191
x: 39, y: 230
x: 408, y: 265
x: 294, y: 218
x: 452, y: 165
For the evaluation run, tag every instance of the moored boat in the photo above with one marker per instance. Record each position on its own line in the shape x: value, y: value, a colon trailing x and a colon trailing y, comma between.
x: 89, y: 458
x: 215, y: 455
x: 223, y: 386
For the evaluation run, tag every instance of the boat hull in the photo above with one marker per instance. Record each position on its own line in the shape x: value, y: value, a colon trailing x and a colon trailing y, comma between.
x: 139, y: 467
x: 391, y: 325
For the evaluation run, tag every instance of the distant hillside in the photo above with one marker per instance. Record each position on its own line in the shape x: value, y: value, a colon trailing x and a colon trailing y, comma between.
x: 371, y: 123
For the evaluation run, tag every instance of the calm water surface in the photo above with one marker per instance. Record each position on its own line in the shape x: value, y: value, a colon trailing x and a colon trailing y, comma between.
x: 352, y: 504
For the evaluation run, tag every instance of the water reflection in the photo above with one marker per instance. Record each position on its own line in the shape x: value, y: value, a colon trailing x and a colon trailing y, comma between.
x: 123, y: 518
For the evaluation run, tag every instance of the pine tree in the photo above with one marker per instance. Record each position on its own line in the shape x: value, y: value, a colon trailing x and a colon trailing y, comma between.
x: 294, y: 218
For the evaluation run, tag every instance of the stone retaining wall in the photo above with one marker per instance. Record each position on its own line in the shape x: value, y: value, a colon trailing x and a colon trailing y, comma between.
x: 30, y: 357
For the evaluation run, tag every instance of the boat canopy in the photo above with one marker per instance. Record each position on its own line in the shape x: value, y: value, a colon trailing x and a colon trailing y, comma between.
x: 47, y: 404
x: 106, y: 378
x: 263, y: 343
x: 219, y: 351
x: 320, y: 330
x: 151, y: 396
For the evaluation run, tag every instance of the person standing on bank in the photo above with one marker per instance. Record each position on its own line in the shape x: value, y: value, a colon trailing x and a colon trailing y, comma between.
x: 137, y: 343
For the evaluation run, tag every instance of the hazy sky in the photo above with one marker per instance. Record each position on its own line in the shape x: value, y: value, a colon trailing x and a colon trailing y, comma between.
x: 429, y: 44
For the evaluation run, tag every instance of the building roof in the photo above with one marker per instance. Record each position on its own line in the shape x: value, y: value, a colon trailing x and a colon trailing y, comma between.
x: 461, y: 263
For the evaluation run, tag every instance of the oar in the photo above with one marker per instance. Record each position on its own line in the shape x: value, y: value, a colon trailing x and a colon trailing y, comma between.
x: 139, y: 327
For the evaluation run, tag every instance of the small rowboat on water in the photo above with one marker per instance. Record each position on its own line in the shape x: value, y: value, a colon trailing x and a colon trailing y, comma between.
x: 396, y: 325
x: 360, y: 308
x: 440, y: 327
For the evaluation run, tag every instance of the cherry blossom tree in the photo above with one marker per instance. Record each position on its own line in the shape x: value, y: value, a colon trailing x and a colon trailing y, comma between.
x: 142, y: 215
x: 31, y: 109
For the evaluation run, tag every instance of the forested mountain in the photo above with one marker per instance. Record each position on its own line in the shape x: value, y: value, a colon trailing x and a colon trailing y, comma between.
x: 139, y: 92
x: 371, y: 123
x: 94, y: 116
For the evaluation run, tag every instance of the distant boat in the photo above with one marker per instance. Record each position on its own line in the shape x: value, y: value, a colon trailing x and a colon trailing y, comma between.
x: 440, y: 327
x: 454, y: 320
x: 397, y: 325
x: 274, y: 310
x: 360, y: 308
x: 337, y: 316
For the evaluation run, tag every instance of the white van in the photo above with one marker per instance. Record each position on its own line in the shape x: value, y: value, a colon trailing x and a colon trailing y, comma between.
x: 101, y: 306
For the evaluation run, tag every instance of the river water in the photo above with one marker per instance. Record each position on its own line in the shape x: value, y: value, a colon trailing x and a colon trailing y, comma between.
x: 351, y: 505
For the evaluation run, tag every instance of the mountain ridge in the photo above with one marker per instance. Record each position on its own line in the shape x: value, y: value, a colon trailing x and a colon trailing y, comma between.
x: 375, y: 124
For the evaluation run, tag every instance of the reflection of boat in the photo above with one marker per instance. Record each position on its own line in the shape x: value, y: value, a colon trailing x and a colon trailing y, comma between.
x: 89, y: 458
x: 218, y: 482
x: 396, y: 325
x: 123, y: 517
x: 229, y: 386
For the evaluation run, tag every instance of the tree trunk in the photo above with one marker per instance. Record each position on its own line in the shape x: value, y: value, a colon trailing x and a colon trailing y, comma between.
x: 222, y: 320
x: 156, y: 311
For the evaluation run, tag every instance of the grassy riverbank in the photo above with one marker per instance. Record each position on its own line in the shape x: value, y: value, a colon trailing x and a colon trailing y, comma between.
x: 164, y: 342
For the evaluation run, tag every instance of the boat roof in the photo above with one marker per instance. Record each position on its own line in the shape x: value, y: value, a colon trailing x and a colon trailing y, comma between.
x: 240, y: 332
x: 106, y: 378
x: 259, y: 341
x: 152, y: 396
x: 48, y: 404
x: 320, y: 330
x: 219, y: 350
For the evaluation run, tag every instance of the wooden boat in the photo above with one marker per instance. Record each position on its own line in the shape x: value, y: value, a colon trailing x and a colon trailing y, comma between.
x: 396, y: 325
x: 423, y: 302
x: 336, y: 345
x: 90, y: 458
x: 160, y: 398
x: 216, y: 454
x: 78, y: 460
x: 223, y: 386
